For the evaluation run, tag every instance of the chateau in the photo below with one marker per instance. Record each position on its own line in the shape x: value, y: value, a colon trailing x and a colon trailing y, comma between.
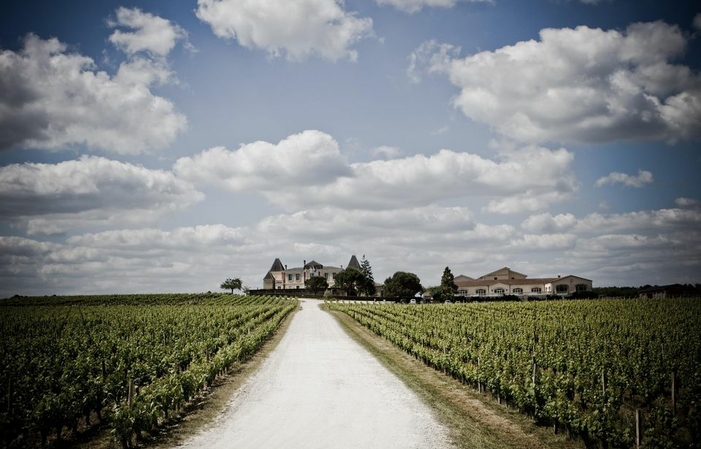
x: 506, y: 281
x: 279, y: 277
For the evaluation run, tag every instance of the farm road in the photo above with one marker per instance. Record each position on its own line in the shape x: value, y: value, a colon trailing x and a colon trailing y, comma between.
x: 320, y: 389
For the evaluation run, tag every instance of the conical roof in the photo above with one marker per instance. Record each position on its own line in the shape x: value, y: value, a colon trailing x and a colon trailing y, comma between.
x: 277, y: 266
x: 354, y: 263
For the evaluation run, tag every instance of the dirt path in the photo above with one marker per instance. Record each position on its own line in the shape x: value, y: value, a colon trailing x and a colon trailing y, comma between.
x: 320, y: 389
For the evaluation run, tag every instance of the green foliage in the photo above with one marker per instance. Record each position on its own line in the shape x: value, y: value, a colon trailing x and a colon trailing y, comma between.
x: 582, y: 365
x: 402, y: 285
x: 316, y: 284
x: 448, y: 289
x: 84, y: 352
x: 350, y: 280
x: 367, y: 287
x: 233, y: 284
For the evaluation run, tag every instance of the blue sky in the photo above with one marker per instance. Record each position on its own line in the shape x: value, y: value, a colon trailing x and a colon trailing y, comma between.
x: 161, y: 146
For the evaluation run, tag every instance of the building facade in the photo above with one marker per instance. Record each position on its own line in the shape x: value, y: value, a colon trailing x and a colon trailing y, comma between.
x: 279, y: 277
x: 505, y: 281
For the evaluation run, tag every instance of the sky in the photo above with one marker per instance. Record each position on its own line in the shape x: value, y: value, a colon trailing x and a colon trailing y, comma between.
x: 159, y: 146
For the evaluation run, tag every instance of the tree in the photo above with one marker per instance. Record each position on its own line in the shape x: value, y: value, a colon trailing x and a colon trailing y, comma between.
x: 402, y: 285
x: 448, y: 289
x: 233, y: 284
x: 349, y: 280
x: 368, y: 286
x: 316, y: 284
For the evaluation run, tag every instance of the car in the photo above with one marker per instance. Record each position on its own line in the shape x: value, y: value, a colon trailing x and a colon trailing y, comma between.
x: 447, y: 301
x: 412, y: 301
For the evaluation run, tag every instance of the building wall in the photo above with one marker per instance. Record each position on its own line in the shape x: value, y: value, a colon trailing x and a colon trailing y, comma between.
x: 295, y: 278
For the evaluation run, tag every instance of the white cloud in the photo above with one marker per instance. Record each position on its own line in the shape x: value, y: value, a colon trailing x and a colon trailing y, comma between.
x: 616, y: 249
x: 412, y: 6
x: 545, y: 241
x: 582, y: 85
x: 641, y: 180
x: 53, y: 99
x: 546, y: 223
x: 688, y: 202
x: 151, y: 34
x: 660, y: 220
x: 430, y: 57
x: 307, y: 158
x: 306, y: 170
x: 53, y: 198
x: 388, y: 152
x: 299, y: 29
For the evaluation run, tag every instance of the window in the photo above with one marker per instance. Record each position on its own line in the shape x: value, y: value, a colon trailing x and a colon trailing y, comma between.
x: 518, y: 291
x: 481, y: 291
x: 297, y: 277
x: 333, y: 275
x: 499, y: 291
x: 562, y: 288
x: 462, y: 292
x: 326, y: 276
x: 536, y: 290
x: 289, y: 277
x: 580, y: 287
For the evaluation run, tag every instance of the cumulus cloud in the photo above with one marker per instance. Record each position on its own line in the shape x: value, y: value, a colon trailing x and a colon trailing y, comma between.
x: 298, y: 29
x: 412, y: 6
x: 388, y: 152
x: 642, y: 179
x: 660, y: 220
x: 582, y: 85
x: 430, y: 57
x: 53, y: 198
x: 688, y: 202
x: 546, y: 223
x: 51, y: 99
x: 616, y: 249
x: 307, y: 158
x: 151, y: 34
x: 306, y: 170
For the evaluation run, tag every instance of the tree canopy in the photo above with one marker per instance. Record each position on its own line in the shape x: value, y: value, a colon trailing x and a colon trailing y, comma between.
x: 402, y: 285
x: 448, y: 288
x: 233, y: 284
x: 350, y: 280
x: 316, y: 284
x: 368, y: 285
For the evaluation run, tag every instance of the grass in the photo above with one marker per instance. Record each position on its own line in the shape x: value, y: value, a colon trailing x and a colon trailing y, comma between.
x: 475, y: 420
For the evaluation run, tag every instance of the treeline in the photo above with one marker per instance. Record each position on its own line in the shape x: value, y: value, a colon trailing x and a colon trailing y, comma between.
x: 634, y: 292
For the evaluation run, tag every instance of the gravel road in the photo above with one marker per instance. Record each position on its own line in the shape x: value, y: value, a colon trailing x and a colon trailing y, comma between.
x: 320, y: 389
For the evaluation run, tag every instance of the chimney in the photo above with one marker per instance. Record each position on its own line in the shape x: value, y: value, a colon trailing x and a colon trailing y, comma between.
x: 285, y: 267
x: 558, y: 276
x: 305, y: 262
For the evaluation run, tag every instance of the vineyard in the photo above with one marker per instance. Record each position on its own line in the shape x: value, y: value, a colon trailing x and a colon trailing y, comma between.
x: 129, y: 361
x: 616, y: 373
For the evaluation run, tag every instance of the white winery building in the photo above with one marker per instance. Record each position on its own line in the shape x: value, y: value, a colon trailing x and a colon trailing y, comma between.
x: 506, y: 281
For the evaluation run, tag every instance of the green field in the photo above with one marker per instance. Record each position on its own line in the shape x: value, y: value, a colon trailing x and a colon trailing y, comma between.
x: 584, y: 367
x: 131, y: 361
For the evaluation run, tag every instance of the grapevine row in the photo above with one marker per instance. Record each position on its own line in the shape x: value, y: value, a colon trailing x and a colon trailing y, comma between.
x: 584, y: 366
x: 70, y: 365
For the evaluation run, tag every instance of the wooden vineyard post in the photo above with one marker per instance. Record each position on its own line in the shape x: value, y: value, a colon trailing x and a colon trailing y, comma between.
x: 9, y: 397
x: 637, y: 428
x: 603, y: 382
x: 674, y: 393
x: 479, y: 382
x: 130, y: 396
